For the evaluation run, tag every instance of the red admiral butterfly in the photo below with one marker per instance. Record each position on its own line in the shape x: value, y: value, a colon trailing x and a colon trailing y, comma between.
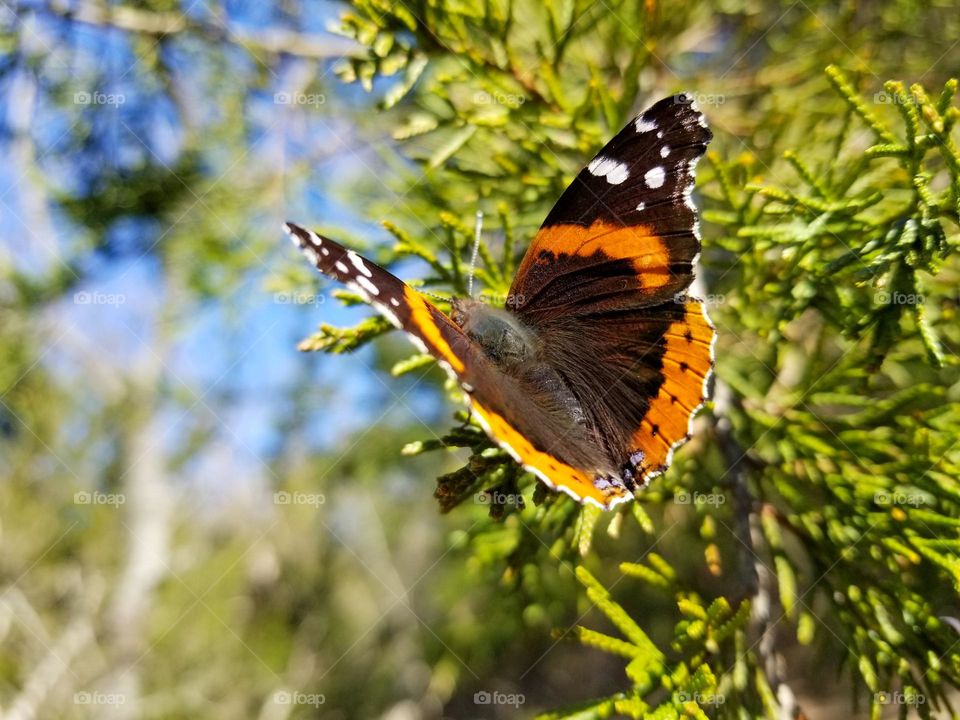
x: 592, y: 378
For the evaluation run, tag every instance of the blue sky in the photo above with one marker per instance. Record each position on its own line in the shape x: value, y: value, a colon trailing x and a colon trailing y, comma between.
x: 236, y: 355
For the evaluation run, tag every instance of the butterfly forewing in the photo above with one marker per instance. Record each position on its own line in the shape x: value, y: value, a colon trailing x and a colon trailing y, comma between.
x: 624, y: 233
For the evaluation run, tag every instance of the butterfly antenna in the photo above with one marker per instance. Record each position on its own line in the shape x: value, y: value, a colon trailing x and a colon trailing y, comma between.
x: 478, y: 228
x: 441, y: 298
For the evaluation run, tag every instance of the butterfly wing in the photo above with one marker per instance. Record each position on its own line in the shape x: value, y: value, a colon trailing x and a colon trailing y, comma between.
x: 603, y: 284
x: 505, y: 408
x: 625, y: 231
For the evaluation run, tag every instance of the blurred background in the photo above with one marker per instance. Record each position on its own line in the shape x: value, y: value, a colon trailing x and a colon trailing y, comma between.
x: 196, y: 518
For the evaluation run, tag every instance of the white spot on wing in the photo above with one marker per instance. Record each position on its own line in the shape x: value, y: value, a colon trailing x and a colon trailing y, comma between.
x: 367, y: 285
x: 642, y: 206
x: 341, y: 267
x: 394, y: 302
x: 700, y: 118
x: 420, y: 344
x: 361, y: 292
x: 394, y: 320
x: 618, y: 174
x: 664, y: 151
x: 655, y: 178
x: 644, y: 125
x: 614, y: 172
x: 357, y: 262
x: 688, y: 191
x: 311, y: 255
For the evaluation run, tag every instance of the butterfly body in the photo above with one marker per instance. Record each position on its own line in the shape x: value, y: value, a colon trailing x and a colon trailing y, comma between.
x: 500, y: 333
x: 591, y: 378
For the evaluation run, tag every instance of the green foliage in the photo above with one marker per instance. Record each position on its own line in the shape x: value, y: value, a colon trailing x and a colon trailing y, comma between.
x: 856, y: 242
x: 710, y: 638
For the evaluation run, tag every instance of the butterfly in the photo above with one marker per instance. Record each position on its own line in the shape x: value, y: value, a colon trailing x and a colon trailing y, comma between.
x: 591, y: 376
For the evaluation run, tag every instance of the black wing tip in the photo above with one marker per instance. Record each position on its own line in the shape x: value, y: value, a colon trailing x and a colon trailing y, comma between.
x: 297, y: 234
x: 682, y: 106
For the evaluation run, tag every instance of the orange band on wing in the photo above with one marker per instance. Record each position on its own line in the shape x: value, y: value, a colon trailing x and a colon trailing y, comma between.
x: 637, y: 243
x: 426, y: 324
x: 578, y: 484
x: 687, y: 362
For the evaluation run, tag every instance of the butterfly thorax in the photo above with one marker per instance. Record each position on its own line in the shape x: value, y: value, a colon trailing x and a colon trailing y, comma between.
x: 517, y: 352
x: 502, y: 336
